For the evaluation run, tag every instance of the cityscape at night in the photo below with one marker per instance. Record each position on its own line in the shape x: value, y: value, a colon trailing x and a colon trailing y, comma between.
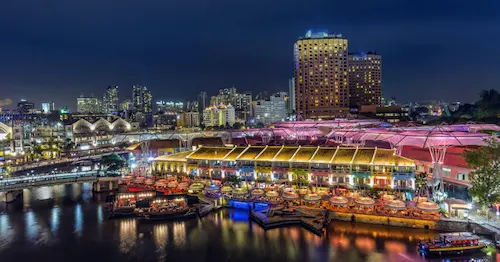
x: 250, y: 131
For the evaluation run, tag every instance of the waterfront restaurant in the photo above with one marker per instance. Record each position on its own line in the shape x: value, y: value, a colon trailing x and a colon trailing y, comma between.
x: 323, y: 166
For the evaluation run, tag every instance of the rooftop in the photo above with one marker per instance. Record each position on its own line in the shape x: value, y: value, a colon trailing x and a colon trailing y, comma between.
x: 312, y: 154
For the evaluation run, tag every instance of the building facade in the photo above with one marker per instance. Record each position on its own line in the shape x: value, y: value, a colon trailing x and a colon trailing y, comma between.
x: 320, y: 76
x: 326, y: 166
x: 219, y: 116
x: 142, y: 99
x: 291, y: 93
x: 365, y: 79
x: 271, y: 110
x: 88, y: 105
x: 188, y: 119
x: 110, y: 100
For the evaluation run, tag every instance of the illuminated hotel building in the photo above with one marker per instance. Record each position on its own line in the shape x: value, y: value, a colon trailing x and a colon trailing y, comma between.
x: 324, y: 166
x: 365, y: 81
x: 320, y: 75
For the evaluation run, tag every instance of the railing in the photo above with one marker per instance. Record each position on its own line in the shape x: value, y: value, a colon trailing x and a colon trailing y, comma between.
x: 44, y: 179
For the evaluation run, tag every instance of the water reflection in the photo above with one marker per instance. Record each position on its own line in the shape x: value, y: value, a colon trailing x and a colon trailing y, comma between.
x: 179, y: 234
x: 78, y: 219
x: 6, y: 232
x: 54, y: 219
x: 128, y: 235
x: 72, y: 218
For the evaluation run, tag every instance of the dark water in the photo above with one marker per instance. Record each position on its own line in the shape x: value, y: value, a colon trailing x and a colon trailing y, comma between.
x: 67, y: 223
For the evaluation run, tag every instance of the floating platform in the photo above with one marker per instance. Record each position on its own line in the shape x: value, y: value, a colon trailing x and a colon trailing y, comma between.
x: 281, y: 221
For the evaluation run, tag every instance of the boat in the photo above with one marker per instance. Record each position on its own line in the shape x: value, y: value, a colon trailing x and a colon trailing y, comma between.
x: 125, y: 204
x: 164, y: 209
x: 457, y: 243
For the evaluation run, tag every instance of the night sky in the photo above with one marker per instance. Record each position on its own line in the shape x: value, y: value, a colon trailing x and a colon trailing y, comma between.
x: 56, y: 50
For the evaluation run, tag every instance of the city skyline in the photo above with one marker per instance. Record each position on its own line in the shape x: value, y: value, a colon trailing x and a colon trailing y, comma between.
x: 419, y: 46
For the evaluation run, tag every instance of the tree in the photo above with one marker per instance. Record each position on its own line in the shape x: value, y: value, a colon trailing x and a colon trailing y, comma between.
x: 112, y: 162
x: 485, y: 175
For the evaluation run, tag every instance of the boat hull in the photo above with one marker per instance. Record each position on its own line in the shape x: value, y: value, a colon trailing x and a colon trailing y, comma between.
x: 452, y: 250
x: 166, y: 217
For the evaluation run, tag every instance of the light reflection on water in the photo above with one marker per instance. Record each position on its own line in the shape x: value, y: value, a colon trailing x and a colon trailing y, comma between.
x: 71, y: 218
x: 128, y: 235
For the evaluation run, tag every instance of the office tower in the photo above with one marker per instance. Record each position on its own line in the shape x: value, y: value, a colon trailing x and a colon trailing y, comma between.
x: 25, y: 107
x: 365, y: 79
x: 46, y: 108
x: 320, y: 75
x: 202, y: 103
x: 147, y: 99
x: 110, y: 100
x: 272, y: 109
x: 88, y: 104
x: 142, y: 99
x: 126, y: 105
x: 291, y: 93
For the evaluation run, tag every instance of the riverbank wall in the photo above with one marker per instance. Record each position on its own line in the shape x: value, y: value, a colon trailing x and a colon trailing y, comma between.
x: 444, y: 224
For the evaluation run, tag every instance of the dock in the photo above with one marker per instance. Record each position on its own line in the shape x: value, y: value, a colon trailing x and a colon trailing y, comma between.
x: 311, y: 222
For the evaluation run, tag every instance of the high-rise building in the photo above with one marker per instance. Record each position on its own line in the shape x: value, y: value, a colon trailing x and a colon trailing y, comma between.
x: 291, y: 94
x: 110, y: 100
x: 271, y: 110
x: 88, y: 104
x: 126, y: 105
x: 48, y: 107
x: 202, y: 103
x: 365, y: 79
x: 320, y: 75
x: 188, y: 119
x: 221, y: 115
x: 25, y: 107
x: 242, y: 102
x: 142, y: 99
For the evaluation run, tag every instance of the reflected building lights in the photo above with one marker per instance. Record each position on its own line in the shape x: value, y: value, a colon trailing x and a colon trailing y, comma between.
x: 179, y: 234
x: 54, y: 219
x: 78, y: 219
x: 128, y: 235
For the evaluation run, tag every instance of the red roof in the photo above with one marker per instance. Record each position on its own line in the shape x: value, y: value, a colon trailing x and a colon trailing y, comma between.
x: 453, y: 157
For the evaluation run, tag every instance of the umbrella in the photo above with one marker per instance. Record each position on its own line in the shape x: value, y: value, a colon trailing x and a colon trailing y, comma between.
x: 226, y: 189
x: 272, y: 194
x: 387, y: 197
x: 183, y: 185
x: 353, y: 195
x: 196, y: 186
x: 172, y: 184
x: 290, y: 195
x: 428, y: 207
x: 420, y: 199
x: 160, y: 184
x: 312, y: 197
x: 257, y: 192
x: 240, y: 191
x: 365, y: 201
x: 339, y: 201
x: 396, y: 204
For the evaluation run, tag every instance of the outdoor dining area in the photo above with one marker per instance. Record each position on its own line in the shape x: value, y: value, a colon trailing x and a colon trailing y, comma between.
x: 387, y: 205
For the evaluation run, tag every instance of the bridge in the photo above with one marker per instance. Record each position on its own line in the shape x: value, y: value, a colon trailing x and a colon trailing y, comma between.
x: 11, y: 188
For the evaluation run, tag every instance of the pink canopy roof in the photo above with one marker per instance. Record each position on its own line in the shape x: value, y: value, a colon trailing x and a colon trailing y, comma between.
x: 420, y: 138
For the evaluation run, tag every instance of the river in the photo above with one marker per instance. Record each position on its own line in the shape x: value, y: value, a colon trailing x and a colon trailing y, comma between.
x: 67, y: 223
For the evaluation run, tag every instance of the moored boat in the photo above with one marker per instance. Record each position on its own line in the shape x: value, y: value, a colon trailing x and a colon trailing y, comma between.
x: 164, y: 209
x: 451, y: 244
